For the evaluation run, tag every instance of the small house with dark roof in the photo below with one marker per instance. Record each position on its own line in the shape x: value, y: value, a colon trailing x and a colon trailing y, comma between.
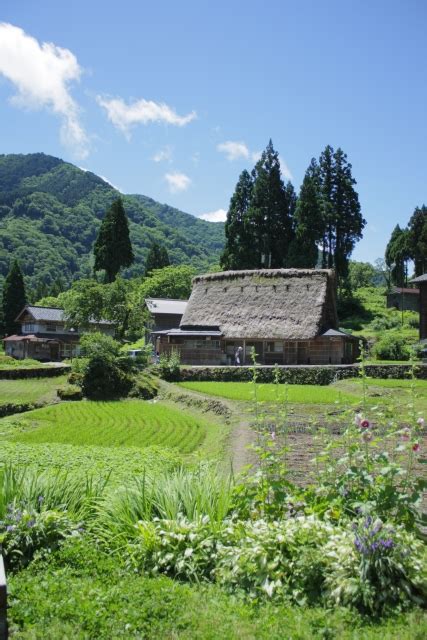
x: 421, y: 283
x: 45, y: 335
x: 165, y: 313
x: 404, y: 299
x: 287, y: 316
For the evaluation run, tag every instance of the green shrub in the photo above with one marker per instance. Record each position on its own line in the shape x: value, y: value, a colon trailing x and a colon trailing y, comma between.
x: 392, y: 347
x: 385, y: 322
x: 145, y: 386
x: 24, y: 532
x: 169, y: 366
x: 70, y: 392
x: 97, y: 343
x: 104, y: 378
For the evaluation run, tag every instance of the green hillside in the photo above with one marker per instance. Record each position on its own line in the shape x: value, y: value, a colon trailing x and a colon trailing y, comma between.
x: 50, y: 212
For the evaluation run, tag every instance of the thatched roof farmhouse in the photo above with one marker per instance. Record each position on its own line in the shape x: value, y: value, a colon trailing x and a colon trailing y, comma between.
x: 287, y: 315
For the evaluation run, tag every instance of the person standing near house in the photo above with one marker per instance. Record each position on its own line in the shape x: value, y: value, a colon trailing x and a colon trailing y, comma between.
x: 237, y: 356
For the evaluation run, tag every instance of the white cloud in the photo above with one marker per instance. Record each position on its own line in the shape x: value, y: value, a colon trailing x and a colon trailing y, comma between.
x: 41, y: 74
x: 163, y: 155
x: 125, y: 116
x: 214, y: 216
x: 233, y: 150
x: 177, y: 181
x: 286, y: 172
x: 256, y: 155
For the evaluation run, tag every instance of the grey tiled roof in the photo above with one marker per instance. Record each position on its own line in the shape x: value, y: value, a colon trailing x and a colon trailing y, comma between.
x: 165, y: 305
x: 422, y: 278
x: 50, y: 314
x: 46, y: 313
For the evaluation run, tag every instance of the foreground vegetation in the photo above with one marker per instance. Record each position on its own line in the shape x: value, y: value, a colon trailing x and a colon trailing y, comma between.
x: 128, y: 605
x: 92, y: 520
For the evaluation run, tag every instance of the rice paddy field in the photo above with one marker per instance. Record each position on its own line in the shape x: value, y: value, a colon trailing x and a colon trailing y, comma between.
x: 33, y: 390
x: 296, y: 393
x: 111, y: 424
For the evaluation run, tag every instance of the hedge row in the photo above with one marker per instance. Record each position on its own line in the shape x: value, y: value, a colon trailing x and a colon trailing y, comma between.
x: 37, y: 372
x: 321, y: 375
x: 10, y: 408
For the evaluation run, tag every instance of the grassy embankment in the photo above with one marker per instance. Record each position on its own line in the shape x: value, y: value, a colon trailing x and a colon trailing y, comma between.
x: 32, y: 390
x: 369, y: 317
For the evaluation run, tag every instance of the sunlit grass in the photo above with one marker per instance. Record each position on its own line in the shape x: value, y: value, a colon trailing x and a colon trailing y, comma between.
x: 112, y: 424
x: 296, y: 393
x: 30, y: 390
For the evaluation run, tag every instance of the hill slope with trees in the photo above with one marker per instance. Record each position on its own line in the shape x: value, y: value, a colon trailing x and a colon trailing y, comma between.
x: 51, y: 211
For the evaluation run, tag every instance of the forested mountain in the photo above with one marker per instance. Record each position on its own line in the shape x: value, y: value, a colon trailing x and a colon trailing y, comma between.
x: 50, y: 212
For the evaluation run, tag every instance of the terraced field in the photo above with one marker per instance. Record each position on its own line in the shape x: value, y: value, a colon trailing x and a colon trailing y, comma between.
x: 31, y: 390
x: 296, y: 393
x: 110, y: 424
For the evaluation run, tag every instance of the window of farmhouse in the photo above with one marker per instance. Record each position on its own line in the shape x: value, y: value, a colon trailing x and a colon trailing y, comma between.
x: 274, y: 347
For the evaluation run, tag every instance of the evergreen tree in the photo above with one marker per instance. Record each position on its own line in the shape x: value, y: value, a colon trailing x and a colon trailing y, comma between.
x: 157, y: 258
x: 113, y: 248
x: 269, y: 216
x: 237, y: 252
x: 418, y: 239
x: 14, y: 298
x: 397, y: 254
x: 308, y: 221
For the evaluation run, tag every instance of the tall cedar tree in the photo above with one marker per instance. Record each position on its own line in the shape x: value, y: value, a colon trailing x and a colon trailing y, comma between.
x: 113, y: 248
x: 238, y: 246
x: 308, y: 220
x: 14, y: 298
x: 418, y: 239
x: 338, y: 223
x: 269, y: 217
x: 157, y: 258
x: 397, y: 254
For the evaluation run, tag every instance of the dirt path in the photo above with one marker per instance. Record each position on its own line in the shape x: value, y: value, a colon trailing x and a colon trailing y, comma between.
x: 237, y: 451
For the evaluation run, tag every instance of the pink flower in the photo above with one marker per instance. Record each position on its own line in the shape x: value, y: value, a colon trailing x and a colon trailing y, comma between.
x: 416, y: 447
x: 366, y: 436
x: 406, y: 433
x: 357, y: 419
x: 421, y: 422
x: 273, y: 435
x: 365, y: 424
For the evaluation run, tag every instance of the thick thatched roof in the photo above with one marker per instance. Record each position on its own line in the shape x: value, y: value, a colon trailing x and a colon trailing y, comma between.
x: 294, y: 304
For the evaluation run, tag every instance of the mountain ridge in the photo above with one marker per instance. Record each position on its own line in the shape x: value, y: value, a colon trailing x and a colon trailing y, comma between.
x: 50, y: 212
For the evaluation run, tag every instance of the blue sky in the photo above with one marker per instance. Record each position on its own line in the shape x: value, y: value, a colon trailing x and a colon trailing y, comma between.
x: 175, y: 99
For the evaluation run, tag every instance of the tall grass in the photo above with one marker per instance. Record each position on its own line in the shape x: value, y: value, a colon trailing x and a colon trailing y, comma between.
x: 204, y: 491
x: 37, y: 491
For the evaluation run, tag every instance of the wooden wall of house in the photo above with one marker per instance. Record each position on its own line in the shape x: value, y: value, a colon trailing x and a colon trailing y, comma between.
x: 318, y: 351
x: 409, y: 301
x: 165, y: 321
x: 423, y: 310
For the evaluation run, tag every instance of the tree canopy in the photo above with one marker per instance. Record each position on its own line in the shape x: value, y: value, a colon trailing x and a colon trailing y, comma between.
x: 397, y: 255
x: 113, y: 248
x: 157, y: 258
x: 268, y: 226
x: 14, y: 298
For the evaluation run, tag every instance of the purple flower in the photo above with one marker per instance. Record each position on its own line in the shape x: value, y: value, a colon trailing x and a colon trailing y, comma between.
x: 10, y: 527
x: 40, y: 499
